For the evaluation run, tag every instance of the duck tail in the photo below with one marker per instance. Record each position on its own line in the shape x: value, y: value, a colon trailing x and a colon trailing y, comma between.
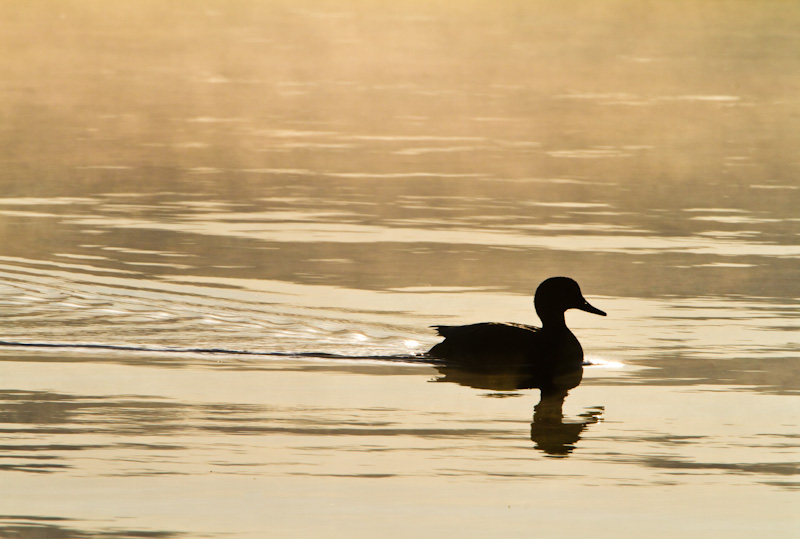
x: 442, y: 330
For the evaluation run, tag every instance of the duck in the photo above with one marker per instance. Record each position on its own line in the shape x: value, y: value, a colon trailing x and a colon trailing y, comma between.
x: 522, y: 356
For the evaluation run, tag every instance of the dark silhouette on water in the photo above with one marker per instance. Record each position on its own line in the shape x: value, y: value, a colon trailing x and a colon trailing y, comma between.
x: 508, y: 357
x: 549, y: 358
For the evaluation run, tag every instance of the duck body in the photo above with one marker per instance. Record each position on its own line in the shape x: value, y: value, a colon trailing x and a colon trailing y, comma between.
x: 489, y: 342
x: 520, y: 356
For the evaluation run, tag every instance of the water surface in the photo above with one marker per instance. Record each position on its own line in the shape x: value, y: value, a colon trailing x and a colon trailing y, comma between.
x: 227, y: 227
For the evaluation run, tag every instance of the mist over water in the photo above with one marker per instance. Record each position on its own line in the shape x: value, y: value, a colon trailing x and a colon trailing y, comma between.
x: 227, y: 227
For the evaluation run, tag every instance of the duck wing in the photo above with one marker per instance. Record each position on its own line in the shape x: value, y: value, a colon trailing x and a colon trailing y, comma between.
x: 485, y: 340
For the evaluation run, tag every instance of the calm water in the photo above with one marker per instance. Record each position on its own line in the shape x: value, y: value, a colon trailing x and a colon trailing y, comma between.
x: 298, y: 189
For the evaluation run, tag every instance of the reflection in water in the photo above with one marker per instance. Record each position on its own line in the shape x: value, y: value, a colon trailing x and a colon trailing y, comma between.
x: 507, y: 357
x: 549, y: 431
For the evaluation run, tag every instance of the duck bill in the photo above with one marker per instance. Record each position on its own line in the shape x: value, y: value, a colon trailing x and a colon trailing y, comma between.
x: 590, y: 309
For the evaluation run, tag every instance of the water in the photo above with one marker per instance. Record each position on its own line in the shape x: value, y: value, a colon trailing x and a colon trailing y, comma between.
x: 227, y: 227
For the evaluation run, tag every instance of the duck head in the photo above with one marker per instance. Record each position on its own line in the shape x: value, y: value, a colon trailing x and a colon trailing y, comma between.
x: 557, y: 294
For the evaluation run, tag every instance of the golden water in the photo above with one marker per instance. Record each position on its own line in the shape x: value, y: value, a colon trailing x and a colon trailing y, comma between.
x: 252, y: 212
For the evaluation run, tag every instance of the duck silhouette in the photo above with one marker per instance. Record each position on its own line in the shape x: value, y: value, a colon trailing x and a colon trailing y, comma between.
x: 508, y: 356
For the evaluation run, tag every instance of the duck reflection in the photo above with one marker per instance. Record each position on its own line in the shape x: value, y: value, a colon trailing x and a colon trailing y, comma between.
x: 510, y: 357
x: 549, y: 431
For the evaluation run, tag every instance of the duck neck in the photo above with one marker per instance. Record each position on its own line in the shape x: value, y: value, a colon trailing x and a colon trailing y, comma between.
x: 552, y: 320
